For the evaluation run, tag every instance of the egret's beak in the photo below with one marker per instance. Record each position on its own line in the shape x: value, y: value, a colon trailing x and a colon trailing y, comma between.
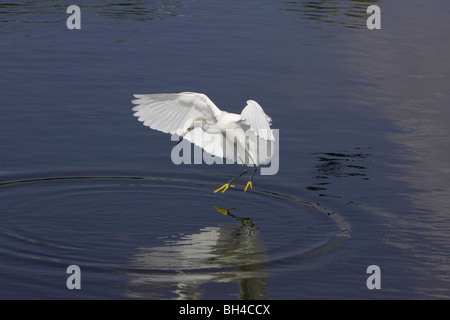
x: 179, y: 140
x: 182, y: 137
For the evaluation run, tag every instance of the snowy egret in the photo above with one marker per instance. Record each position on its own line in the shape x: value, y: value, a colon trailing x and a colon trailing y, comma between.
x: 244, y: 138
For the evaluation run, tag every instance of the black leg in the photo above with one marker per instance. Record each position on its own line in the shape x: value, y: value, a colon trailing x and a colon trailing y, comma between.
x: 227, y: 185
x: 254, y: 171
x: 240, y: 175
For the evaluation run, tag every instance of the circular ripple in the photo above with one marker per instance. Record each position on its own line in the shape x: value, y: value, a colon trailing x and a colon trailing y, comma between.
x: 153, y: 237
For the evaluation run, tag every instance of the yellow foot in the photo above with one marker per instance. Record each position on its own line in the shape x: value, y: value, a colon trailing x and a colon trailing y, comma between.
x: 222, y: 210
x: 249, y: 184
x: 225, y: 187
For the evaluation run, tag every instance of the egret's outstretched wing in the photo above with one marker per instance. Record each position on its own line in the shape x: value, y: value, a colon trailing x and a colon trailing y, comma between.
x: 259, y: 122
x: 174, y: 112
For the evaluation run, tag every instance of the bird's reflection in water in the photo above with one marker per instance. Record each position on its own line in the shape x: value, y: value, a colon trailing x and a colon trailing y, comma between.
x: 233, y: 253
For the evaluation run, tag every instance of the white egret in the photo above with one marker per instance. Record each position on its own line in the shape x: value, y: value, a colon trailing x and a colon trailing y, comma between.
x: 244, y: 138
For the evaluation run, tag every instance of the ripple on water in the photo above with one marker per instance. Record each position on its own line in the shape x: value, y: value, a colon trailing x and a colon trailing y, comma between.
x: 153, y: 237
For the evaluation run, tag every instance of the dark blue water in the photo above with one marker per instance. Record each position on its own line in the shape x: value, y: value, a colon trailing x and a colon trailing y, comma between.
x: 364, y: 151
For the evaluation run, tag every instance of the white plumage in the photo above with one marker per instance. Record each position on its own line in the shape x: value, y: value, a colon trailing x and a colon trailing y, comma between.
x: 245, y: 138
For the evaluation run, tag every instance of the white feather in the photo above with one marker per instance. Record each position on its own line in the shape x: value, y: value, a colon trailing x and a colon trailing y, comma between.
x: 174, y: 112
x: 245, y: 138
x: 254, y: 116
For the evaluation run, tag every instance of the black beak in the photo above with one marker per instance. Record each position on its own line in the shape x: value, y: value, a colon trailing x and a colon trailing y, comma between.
x: 181, y: 139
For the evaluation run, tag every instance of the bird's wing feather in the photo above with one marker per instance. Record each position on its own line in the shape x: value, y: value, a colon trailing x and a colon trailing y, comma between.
x: 213, y: 143
x: 174, y: 112
x: 254, y: 116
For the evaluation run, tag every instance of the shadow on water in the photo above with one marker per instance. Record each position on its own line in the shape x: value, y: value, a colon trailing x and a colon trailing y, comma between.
x: 339, y: 165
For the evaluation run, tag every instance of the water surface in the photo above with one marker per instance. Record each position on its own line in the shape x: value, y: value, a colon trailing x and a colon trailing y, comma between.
x: 364, y: 152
